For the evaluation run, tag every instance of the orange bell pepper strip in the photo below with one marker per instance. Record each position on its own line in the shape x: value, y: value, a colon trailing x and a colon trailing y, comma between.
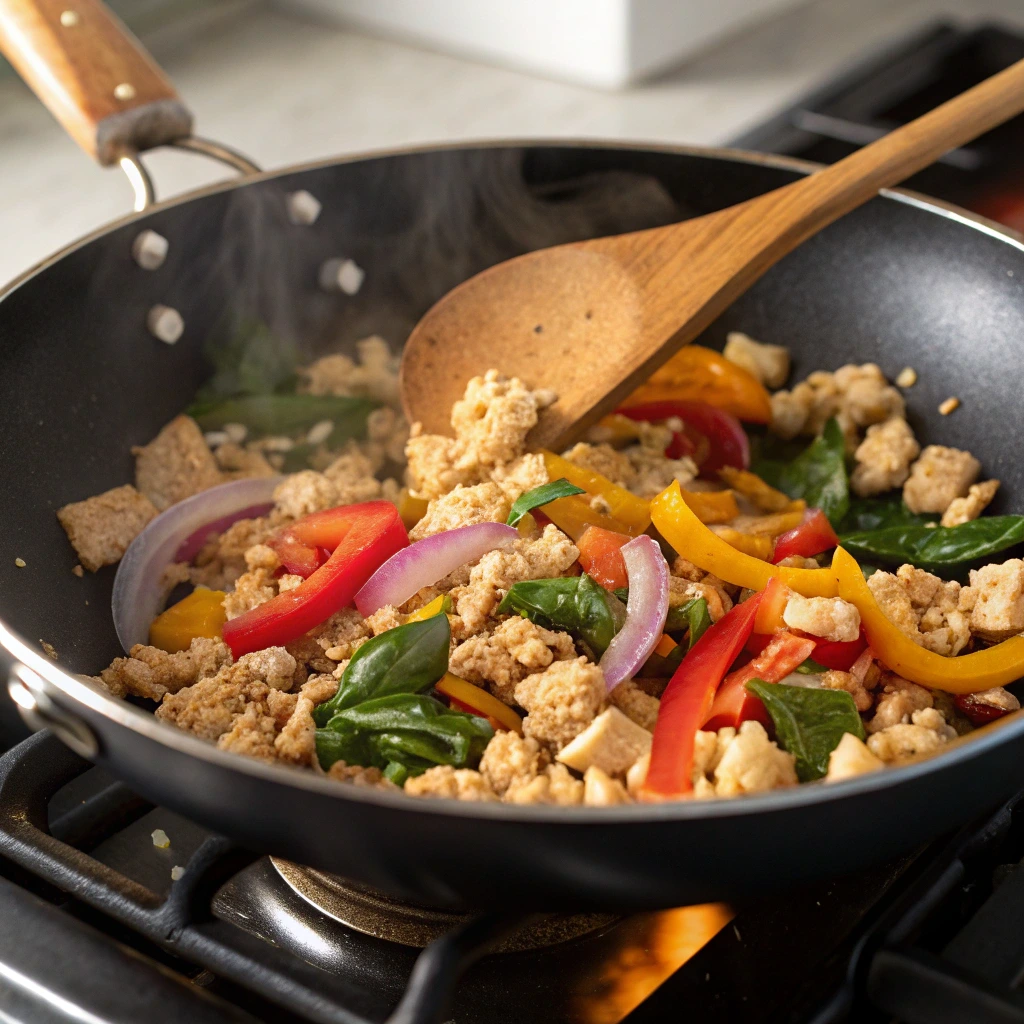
x: 694, y: 541
x: 698, y: 374
x: 601, y: 556
x: 574, y: 516
x: 665, y: 646
x: 623, y: 505
x: 200, y: 614
x: 712, y: 506
x: 968, y: 673
x: 478, y: 701
x: 441, y: 603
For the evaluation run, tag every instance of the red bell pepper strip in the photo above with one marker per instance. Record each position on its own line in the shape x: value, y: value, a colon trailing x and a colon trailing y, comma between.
x: 601, y: 556
x: 734, y: 703
x: 839, y: 654
x: 687, y: 701
x: 297, y: 557
x: 976, y: 710
x: 810, y: 538
x: 360, y: 538
x: 728, y: 443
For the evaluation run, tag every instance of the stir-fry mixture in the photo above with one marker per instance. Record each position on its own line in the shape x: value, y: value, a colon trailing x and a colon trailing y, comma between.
x: 722, y: 591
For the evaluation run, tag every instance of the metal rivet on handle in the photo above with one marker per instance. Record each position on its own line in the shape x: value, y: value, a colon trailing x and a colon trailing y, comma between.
x: 165, y: 323
x: 125, y: 91
x: 150, y: 249
x: 69, y: 19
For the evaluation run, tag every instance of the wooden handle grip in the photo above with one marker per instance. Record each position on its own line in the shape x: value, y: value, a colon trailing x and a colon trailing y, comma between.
x: 93, y: 75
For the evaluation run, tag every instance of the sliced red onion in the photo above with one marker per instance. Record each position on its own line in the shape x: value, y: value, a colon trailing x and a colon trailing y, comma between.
x: 429, y: 560
x: 139, y: 592
x: 194, y: 544
x: 646, y: 611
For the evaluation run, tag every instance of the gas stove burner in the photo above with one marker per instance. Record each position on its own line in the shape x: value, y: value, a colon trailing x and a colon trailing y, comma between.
x: 374, y: 913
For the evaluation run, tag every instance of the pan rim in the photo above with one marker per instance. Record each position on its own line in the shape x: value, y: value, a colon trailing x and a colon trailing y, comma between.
x: 137, y: 720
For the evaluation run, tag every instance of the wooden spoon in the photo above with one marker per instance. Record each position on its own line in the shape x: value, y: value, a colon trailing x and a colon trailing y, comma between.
x: 591, y: 320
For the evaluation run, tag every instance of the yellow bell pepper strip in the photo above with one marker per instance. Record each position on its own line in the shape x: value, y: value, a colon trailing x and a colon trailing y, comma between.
x: 410, y: 508
x: 199, y: 614
x: 968, y: 673
x: 697, y: 374
x: 624, y: 506
x: 774, y: 524
x: 478, y: 701
x: 441, y: 603
x: 748, y: 543
x: 694, y: 541
x: 766, y: 498
x: 712, y: 506
x: 574, y: 516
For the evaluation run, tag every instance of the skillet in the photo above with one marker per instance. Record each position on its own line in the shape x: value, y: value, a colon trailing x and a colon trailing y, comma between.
x: 901, y: 281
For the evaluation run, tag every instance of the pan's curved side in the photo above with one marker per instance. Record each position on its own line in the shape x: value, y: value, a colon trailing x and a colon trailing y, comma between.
x: 892, y: 283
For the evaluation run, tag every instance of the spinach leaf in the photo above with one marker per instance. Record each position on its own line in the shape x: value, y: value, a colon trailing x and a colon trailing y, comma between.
x: 818, y: 475
x: 877, y: 513
x: 541, y: 496
x: 810, y: 668
x: 575, y: 604
x: 693, y: 616
x: 809, y: 723
x: 402, y: 731
x: 403, y: 660
x: 937, y: 547
x: 287, y: 414
x: 248, y: 359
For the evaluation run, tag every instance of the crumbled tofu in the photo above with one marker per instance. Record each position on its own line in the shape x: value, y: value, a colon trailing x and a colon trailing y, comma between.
x: 653, y: 472
x: 251, y: 590
x: 463, y: 506
x: 78, y: 571
x: 997, y: 697
x: 296, y: 742
x: 150, y: 672
x: 521, y: 475
x: 536, y: 558
x: 352, y: 474
x: 450, y: 783
x: 356, y: 775
x: 603, y: 459
x: 503, y: 658
x: 238, y: 463
x: 375, y: 375
x: 949, y: 405
x: 554, y: 785
x: 637, y: 776
x: 612, y: 742
x: 995, y: 600
x: 768, y: 363
x: 303, y: 493
x: 730, y: 763
x: 561, y: 701
x: 511, y: 759
x: 176, y: 464
x: 906, y: 378
x: 160, y: 839
x: 711, y: 589
x: 926, y: 733
x: 223, y: 557
x: 898, y: 701
x: 836, y: 680
x: 493, y: 418
x: 939, y: 475
x: 884, y: 457
x: 858, y: 396
x: 829, y: 617
x: 177, y: 872
x: 599, y: 790
x: 924, y: 607
x: 851, y: 757
x: 101, y: 528
x: 963, y: 510
x: 635, y: 704
x: 433, y: 464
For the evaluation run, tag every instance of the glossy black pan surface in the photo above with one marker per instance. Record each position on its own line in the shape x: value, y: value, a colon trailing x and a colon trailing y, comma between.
x: 899, y: 282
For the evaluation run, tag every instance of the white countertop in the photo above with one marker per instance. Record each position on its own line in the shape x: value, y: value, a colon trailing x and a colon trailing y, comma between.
x: 283, y: 90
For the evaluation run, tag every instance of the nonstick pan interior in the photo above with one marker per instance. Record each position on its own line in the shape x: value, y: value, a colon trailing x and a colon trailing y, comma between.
x: 897, y: 282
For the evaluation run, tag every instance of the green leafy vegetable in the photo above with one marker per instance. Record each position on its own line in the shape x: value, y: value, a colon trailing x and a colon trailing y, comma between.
x: 818, y: 475
x: 402, y: 731
x: 811, y: 668
x: 809, y: 722
x: 403, y: 660
x: 575, y: 604
x: 937, y: 547
x: 693, y: 616
x: 878, y: 513
x: 287, y: 414
x: 248, y: 359
x: 541, y: 496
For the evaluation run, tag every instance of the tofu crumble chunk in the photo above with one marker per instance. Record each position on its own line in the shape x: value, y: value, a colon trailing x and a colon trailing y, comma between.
x: 574, y: 741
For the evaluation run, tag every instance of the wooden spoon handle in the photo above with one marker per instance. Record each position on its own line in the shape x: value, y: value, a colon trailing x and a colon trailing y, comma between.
x: 93, y: 75
x: 825, y: 196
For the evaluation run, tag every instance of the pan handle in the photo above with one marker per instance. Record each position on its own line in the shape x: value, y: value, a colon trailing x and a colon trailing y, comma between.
x: 101, y: 85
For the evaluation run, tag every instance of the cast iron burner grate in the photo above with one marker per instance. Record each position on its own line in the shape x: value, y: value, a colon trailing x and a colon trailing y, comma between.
x: 94, y: 930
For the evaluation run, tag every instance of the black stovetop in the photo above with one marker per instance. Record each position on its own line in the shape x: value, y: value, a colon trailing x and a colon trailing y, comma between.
x: 93, y: 929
